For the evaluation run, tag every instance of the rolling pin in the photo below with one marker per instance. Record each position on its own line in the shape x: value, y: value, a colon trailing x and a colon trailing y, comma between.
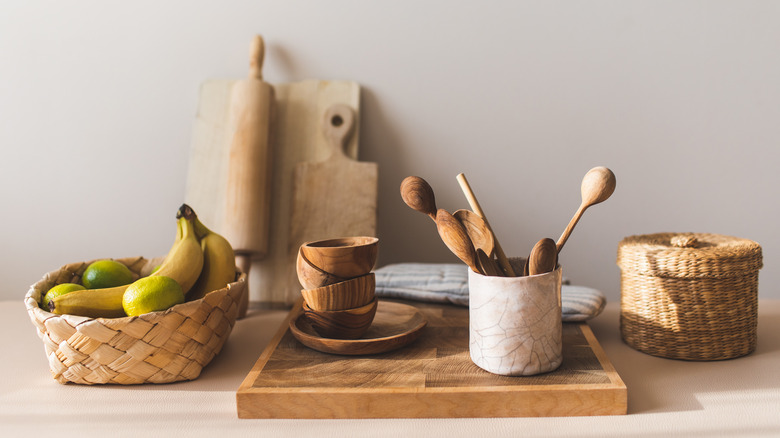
x: 247, y: 201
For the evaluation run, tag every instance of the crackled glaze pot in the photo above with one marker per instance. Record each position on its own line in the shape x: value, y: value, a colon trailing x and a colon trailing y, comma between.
x: 515, y: 322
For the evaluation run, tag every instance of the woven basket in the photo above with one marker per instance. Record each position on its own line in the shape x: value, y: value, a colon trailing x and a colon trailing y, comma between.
x: 157, y: 347
x: 689, y: 296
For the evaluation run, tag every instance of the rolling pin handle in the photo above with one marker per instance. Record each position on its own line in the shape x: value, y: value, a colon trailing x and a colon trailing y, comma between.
x: 243, y: 263
x: 256, y: 55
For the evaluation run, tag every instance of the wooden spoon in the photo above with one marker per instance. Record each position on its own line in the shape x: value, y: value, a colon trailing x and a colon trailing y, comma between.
x: 474, y: 203
x: 597, y: 186
x: 487, y: 265
x: 477, y: 229
x: 543, y: 258
x: 418, y: 194
x: 454, y: 235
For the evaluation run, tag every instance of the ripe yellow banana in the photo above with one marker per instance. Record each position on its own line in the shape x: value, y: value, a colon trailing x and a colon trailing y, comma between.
x: 179, y: 236
x: 183, y: 263
x: 185, y: 260
x: 95, y: 303
x: 219, y: 262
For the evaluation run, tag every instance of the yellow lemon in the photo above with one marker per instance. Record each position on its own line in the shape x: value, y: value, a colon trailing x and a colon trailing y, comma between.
x: 151, y: 294
x: 60, y: 289
x: 106, y: 273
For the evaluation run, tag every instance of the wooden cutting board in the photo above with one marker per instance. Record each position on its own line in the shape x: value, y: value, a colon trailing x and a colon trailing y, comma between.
x: 431, y: 378
x: 297, y: 138
x: 334, y: 197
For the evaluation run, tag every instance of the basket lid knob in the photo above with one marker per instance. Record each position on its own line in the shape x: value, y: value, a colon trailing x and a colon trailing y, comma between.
x: 685, y: 241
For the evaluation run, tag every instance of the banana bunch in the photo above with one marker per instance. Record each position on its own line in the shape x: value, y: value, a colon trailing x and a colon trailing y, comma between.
x: 200, y: 260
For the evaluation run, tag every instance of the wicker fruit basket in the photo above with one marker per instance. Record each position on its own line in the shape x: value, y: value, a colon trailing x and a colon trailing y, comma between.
x: 157, y: 347
x: 689, y: 296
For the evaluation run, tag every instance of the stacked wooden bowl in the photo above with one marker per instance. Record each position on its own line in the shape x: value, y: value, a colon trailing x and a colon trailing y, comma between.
x: 338, y: 285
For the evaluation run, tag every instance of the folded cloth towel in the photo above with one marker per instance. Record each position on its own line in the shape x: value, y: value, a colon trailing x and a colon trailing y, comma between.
x: 449, y: 283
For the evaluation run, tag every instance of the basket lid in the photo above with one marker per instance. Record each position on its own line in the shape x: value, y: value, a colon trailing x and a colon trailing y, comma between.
x: 689, y: 255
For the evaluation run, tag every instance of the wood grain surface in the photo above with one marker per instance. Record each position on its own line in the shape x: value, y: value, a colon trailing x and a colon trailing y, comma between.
x: 395, y: 325
x: 247, y: 194
x: 348, y: 294
x: 455, y: 236
x: 334, y: 198
x: 341, y: 324
x: 297, y: 138
x: 432, y: 377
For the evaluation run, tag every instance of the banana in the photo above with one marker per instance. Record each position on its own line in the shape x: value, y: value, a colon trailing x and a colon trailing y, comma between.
x: 219, y: 262
x: 179, y: 236
x: 185, y: 260
x: 183, y: 263
x: 95, y: 303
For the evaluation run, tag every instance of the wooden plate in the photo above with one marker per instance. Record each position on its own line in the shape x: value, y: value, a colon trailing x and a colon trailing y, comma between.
x: 395, y: 325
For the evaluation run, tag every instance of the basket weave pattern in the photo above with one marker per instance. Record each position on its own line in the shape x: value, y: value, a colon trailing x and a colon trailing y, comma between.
x: 157, y: 347
x: 697, y: 302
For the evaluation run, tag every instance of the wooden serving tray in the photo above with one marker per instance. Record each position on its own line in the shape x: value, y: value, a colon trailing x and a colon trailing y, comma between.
x: 432, y: 377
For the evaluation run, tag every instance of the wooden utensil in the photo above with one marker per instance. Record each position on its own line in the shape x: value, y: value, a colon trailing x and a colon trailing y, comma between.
x: 248, y: 193
x: 454, y: 235
x: 597, y: 186
x: 474, y: 203
x: 335, y: 197
x: 487, y: 265
x: 478, y: 231
x: 543, y: 258
x: 418, y: 194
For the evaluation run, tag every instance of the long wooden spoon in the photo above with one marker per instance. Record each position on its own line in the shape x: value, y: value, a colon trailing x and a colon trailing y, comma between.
x: 466, y: 188
x: 597, y: 186
x: 418, y: 194
x: 454, y: 235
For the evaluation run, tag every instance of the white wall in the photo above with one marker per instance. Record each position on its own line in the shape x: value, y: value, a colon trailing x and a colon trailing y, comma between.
x: 679, y: 98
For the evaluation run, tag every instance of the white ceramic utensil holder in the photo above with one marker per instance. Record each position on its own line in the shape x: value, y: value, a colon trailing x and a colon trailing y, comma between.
x: 515, y: 322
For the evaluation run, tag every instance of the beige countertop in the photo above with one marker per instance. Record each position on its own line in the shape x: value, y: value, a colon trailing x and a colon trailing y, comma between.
x: 739, y: 397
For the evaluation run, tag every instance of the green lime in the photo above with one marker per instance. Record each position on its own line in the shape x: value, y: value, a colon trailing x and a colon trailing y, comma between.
x: 156, y: 268
x: 151, y: 294
x: 106, y: 273
x: 60, y: 289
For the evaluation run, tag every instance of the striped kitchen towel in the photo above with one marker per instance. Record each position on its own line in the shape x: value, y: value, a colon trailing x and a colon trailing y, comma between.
x: 448, y: 283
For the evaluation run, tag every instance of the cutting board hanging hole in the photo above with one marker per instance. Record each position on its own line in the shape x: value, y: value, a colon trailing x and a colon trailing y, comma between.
x: 339, y: 122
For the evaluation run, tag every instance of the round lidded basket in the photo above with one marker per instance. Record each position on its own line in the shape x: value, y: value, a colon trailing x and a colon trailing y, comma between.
x: 157, y: 347
x: 691, y: 296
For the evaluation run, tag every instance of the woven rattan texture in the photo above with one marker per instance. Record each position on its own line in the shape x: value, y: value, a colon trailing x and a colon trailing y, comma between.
x: 697, y: 303
x: 158, y: 347
x: 715, y: 256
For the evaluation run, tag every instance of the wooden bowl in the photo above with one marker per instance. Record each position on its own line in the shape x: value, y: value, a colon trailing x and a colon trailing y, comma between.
x: 349, y: 294
x: 312, y: 277
x: 345, y: 257
x: 341, y: 324
x: 395, y: 325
